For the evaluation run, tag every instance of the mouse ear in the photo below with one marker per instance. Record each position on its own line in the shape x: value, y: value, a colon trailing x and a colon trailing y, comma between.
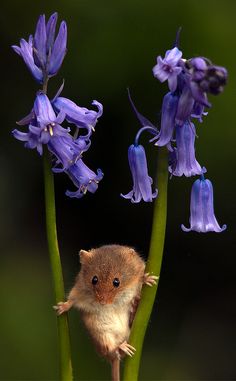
x: 84, y: 256
x: 131, y: 251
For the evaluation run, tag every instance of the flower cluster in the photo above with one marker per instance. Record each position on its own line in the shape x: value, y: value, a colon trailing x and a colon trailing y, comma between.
x: 43, y: 55
x: 189, y: 81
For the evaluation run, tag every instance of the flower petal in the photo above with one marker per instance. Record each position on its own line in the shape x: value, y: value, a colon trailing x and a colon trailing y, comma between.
x: 40, y: 38
x: 58, y: 50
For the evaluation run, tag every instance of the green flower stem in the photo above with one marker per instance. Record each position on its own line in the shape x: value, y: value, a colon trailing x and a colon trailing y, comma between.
x: 131, y: 365
x: 62, y: 321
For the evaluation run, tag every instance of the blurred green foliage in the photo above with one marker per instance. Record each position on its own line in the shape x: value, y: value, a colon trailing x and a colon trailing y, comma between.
x: 112, y: 45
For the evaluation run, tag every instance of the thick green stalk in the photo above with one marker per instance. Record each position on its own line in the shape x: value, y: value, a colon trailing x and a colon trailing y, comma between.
x: 62, y: 321
x: 131, y: 366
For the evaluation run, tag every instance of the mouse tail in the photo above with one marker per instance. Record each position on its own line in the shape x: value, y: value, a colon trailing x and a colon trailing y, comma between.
x: 115, y: 369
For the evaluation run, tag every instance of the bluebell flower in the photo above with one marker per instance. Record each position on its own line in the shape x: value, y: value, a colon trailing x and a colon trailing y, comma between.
x: 43, y: 125
x: 168, y: 113
x: 141, y: 181
x: 43, y: 53
x: 185, y: 162
x: 185, y: 106
x: 83, y: 178
x: 198, y: 111
x: 206, y: 77
x: 80, y: 116
x: 168, y: 68
x: 67, y: 150
x: 202, y: 216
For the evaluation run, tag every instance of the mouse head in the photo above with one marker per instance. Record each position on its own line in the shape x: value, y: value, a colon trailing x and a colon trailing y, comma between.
x: 111, y: 273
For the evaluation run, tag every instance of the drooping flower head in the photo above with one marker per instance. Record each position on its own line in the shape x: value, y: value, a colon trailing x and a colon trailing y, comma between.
x: 185, y: 162
x: 202, y: 216
x: 43, y: 125
x: 142, y: 182
x: 80, y: 116
x: 44, y: 128
x: 43, y: 53
x: 83, y: 178
x: 168, y: 114
x: 190, y: 81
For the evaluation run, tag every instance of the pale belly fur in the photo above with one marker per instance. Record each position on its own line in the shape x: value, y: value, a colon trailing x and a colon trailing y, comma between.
x: 108, y: 328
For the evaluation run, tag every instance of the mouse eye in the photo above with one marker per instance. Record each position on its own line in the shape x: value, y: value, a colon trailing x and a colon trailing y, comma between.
x: 94, y: 280
x: 116, y: 282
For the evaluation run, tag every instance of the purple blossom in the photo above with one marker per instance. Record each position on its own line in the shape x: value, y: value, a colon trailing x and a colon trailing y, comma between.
x: 185, y: 162
x: 202, y: 216
x: 80, y: 116
x: 43, y: 53
x: 205, y: 78
x: 169, y: 108
x: 198, y: 111
x: 43, y: 125
x: 185, y: 106
x: 167, y: 68
x: 83, y: 178
x: 141, y: 181
x: 67, y: 150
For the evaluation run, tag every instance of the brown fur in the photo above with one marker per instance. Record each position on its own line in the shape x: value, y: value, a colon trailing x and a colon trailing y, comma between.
x: 108, y: 311
x: 103, y: 307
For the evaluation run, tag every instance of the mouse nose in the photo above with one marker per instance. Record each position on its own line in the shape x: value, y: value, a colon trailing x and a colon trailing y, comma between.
x: 104, y: 298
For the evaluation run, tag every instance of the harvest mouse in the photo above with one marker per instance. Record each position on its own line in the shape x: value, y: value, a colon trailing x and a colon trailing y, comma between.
x: 107, y: 292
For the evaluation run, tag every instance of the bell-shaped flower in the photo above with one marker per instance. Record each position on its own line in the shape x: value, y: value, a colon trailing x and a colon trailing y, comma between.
x: 44, y: 124
x: 167, y: 68
x: 83, y: 178
x: 198, y: 111
x: 202, y: 216
x: 185, y: 162
x: 185, y: 106
x: 67, y: 150
x: 169, y: 108
x: 197, y: 68
x: 142, y: 183
x: 48, y: 121
x: 80, y: 116
x: 43, y: 53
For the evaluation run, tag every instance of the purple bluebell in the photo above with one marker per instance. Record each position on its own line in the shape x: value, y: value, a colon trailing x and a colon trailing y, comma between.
x: 168, y: 68
x: 44, y: 125
x: 198, y: 111
x: 80, y: 116
x: 185, y: 106
x: 185, y: 162
x: 67, y: 150
x: 169, y: 108
x: 202, y: 216
x: 48, y: 121
x: 141, y: 181
x: 43, y: 53
x: 83, y: 178
x: 205, y: 78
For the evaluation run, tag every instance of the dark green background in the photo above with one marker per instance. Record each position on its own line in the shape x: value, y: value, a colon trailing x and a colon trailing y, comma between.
x: 112, y: 45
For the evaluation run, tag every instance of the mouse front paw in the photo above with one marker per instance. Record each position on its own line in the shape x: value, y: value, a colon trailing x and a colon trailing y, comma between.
x: 150, y: 280
x: 62, y: 307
